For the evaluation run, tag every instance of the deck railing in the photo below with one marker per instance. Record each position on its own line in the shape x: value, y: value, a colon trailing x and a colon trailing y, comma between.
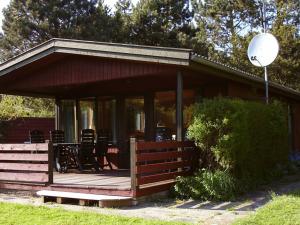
x: 155, y: 165
x: 26, y: 163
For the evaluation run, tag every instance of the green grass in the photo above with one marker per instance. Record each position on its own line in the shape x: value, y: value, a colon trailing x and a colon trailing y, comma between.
x: 282, y: 210
x: 30, y: 215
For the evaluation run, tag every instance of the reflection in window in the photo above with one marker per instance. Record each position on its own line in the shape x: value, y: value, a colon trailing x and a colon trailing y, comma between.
x: 87, y: 118
x: 189, y: 98
x: 68, y: 119
x: 107, y: 118
x: 135, y: 117
x: 165, y: 115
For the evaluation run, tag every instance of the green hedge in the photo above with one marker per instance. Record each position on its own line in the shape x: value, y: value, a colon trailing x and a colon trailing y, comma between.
x: 247, y: 139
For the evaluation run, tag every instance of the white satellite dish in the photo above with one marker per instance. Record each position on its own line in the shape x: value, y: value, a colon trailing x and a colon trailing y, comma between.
x: 263, y: 49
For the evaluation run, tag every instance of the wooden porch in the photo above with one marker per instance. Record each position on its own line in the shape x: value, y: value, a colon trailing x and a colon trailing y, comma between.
x: 154, y: 167
x: 115, y: 179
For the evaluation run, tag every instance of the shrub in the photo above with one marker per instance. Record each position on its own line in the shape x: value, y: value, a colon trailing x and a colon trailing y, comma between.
x: 246, y: 138
x: 207, y: 185
x: 239, y: 141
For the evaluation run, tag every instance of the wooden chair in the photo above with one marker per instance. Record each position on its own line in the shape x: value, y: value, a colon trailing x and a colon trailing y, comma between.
x: 60, y: 151
x: 86, y: 150
x: 36, y: 136
x: 57, y: 136
x: 102, y: 148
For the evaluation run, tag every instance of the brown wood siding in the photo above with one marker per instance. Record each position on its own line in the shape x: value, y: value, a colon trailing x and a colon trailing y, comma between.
x: 296, y: 128
x: 76, y: 70
x: 18, y: 130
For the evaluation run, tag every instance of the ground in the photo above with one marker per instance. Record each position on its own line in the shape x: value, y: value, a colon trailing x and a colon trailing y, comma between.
x: 195, y: 212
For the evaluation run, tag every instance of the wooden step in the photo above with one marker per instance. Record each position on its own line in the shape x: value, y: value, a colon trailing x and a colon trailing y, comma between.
x: 85, y: 199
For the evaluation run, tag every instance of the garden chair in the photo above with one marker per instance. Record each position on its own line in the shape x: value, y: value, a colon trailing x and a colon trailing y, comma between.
x: 102, y: 149
x: 36, y: 136
x: 86, y: 153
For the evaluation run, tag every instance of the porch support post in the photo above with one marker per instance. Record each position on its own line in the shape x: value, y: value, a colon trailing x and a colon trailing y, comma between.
x: 149, y: 114
x: 77, y: 120
x: 57, y: 114
x: 179, y: 107
x: 133, y: 166
x: 50, y: 163
x: 290, y: 128
x: 121, y: 123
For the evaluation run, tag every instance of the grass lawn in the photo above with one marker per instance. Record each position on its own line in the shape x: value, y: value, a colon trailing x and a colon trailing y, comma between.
x: 281, y: 210
x: 24, y: 214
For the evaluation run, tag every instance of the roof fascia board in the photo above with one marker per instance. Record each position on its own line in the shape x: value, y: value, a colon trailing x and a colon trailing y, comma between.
x: 126, y: 49
x: 109, y: 50
x: 244, y: 75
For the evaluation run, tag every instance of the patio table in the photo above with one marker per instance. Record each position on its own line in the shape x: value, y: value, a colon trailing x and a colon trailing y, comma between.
x: 66, y: 156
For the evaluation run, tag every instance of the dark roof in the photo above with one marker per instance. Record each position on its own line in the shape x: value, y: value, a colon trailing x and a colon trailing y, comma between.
x: 174, y: 56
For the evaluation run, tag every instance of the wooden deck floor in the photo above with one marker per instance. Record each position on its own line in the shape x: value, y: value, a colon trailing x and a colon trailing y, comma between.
x: 116, y: 179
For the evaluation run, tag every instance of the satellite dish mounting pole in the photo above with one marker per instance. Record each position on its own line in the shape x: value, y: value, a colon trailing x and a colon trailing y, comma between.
x: 265, y: 68
x: 267, y: 85
x: 263, y: 50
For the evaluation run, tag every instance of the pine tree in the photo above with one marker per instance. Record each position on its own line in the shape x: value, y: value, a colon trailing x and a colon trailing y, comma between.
x: 230, y: 26
x: 30, y: 22
x: 161, y: 22
x: 123, y: 22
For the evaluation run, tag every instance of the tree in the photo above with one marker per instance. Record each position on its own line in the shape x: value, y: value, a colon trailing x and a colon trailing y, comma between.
x: 123, y: 22
x: 231, y: 25
x: 286, y: 27
x: 30, y: 22
x: 16, y: 106
x: 161, y: 22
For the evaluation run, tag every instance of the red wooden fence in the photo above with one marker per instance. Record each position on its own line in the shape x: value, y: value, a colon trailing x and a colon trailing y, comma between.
x: 18, y: 129
x: 155, y: 165
x: 26, y: 163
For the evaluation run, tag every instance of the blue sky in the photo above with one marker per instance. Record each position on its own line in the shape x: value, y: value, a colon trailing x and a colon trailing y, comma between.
x: 4, y: 3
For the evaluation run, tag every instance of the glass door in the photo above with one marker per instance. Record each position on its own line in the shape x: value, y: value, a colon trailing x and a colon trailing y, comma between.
x: 68, y: 124
x: 135, y: 117
x: 106, y: 119
x: 86, y: 114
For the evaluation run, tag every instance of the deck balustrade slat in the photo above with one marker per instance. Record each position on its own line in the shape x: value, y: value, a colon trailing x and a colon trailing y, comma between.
x: 24, y: 167
x: 24, y: 147
x: 157, y: 167
x: 35, y: 157
x: 163, y: 145
x: 160, y: 177
x: 163, y: 155
x: 24, y: 177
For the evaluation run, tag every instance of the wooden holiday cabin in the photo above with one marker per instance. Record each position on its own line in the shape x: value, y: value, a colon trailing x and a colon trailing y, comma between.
x: 137, y: 93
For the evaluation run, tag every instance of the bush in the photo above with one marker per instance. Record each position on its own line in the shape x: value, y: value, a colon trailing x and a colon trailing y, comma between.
x: 207, y: 185
x: 246, y: 138
x: 239, y: 141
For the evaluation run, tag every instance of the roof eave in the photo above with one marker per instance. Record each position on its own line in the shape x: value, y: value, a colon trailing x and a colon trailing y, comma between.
x: 151, y: 54
x: 244, y: 75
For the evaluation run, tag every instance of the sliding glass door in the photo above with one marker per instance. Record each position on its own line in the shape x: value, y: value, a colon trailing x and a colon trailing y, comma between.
x: 106, y: 118
x: 67, y: 121
x: 87, y: 114
x: 135, y: 117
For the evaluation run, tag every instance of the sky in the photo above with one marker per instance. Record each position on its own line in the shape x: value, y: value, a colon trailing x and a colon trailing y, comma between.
x: 4, y: 3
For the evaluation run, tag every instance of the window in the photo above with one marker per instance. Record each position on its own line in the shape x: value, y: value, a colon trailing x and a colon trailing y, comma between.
x: 68, y: 119
x: 107, y: 117
x: 87, y: 114
x: 135, y: 117
x: 165, y: 115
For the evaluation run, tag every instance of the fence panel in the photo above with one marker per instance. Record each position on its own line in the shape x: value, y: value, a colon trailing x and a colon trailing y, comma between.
x: 26, y: 163
x: 155, y: 165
